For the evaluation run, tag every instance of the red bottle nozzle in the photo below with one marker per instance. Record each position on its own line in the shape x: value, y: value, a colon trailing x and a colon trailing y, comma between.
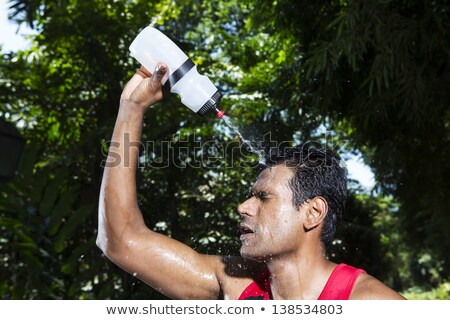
x: 220, y: 113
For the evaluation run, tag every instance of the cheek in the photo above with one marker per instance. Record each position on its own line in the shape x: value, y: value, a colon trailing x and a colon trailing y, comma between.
x: 284, y: 223
x: 289, y: 222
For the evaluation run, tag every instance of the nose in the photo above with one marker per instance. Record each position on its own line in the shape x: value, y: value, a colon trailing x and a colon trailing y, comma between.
x: 246, y: 208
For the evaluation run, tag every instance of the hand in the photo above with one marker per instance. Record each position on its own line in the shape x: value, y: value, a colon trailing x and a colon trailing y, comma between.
x: 144, y: 89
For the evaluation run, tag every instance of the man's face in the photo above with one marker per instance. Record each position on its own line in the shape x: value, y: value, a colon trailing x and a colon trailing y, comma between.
x: 271, y: 225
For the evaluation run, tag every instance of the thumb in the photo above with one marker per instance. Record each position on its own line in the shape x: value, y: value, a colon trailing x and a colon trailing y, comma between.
x: 160, y: 71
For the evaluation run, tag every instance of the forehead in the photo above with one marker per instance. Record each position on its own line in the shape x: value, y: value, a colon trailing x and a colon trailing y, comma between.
x: 274, y: 177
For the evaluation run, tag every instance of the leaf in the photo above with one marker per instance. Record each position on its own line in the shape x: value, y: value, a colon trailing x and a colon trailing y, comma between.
x: 62, y: 208
x: 51, y: 192
x: 71, y: 226
x: 71, y: 264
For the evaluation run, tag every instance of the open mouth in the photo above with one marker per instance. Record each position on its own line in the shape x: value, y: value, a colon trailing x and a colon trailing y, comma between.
x: 246, y: 231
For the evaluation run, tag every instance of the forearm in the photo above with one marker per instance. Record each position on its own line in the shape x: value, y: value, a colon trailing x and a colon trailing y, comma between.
x: 122, y: 233
x: 119, y: 214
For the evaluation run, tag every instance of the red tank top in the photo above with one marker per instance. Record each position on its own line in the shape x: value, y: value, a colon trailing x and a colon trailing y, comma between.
x: 338, y: 287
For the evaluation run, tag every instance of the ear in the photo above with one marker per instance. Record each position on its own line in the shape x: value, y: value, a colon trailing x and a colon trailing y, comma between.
x: 316, y: 212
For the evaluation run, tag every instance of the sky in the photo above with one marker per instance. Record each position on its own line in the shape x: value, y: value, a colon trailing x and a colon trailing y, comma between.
x: 12, y: 39
x: 11, y: 36
x: 359, y: 171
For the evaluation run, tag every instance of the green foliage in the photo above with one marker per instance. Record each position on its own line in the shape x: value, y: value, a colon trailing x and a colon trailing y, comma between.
x: 392, y: 56
x: 440, y: 293
x: 373, y: 71
x: 370, y: 72
x: 65, y: 92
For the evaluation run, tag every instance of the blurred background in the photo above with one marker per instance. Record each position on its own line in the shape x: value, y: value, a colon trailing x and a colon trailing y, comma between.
x: 368, y: 78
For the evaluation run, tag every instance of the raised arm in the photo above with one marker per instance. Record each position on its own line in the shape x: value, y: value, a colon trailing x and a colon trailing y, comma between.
x: 165, y: 264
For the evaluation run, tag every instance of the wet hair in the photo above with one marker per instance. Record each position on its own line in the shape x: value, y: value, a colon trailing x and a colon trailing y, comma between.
x: 317, y: 171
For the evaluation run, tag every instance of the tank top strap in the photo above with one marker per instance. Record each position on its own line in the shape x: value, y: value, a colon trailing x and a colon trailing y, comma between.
x: 258, y: 289
x: 340, y: 283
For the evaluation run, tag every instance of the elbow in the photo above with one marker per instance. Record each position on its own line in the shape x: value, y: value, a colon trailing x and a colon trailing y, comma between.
x: 109, y: 240
x: 102, y: 242
x: 108, y: 248
x: 114, y: 229
x: 104, y: 236
x: 104, y: 233
x: 115, y: 251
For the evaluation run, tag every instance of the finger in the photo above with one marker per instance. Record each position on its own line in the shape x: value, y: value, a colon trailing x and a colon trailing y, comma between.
x: 160, y: 71
x: 144, y: 72
x: 149, y: 90
x: 134, y: 81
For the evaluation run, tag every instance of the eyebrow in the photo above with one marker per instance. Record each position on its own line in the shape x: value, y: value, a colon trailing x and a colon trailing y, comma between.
x: 258, y: 193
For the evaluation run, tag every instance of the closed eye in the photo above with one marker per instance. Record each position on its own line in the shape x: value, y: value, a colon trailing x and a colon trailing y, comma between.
x: 261, y: 195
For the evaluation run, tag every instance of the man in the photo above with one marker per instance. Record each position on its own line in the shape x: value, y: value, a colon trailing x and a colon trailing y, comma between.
x: 287, y: 221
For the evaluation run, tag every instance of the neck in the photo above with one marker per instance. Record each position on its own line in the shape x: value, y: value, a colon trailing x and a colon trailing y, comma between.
x: 298, y: 277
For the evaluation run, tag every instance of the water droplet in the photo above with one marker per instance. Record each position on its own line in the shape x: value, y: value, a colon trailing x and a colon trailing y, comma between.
x: 246, y: 142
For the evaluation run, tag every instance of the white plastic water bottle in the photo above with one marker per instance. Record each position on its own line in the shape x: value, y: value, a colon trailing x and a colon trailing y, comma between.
x: 196, y: 91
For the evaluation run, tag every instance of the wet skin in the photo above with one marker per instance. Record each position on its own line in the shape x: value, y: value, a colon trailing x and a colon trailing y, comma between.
x: 270, y: 222
x: 273, y: 230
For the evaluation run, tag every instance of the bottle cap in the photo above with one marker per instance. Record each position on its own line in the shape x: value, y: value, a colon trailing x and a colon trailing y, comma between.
x: 211, y: 105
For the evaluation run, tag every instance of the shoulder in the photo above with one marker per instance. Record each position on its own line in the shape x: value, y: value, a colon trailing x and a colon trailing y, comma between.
x: 369, y: 288
x: 235, y: 274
